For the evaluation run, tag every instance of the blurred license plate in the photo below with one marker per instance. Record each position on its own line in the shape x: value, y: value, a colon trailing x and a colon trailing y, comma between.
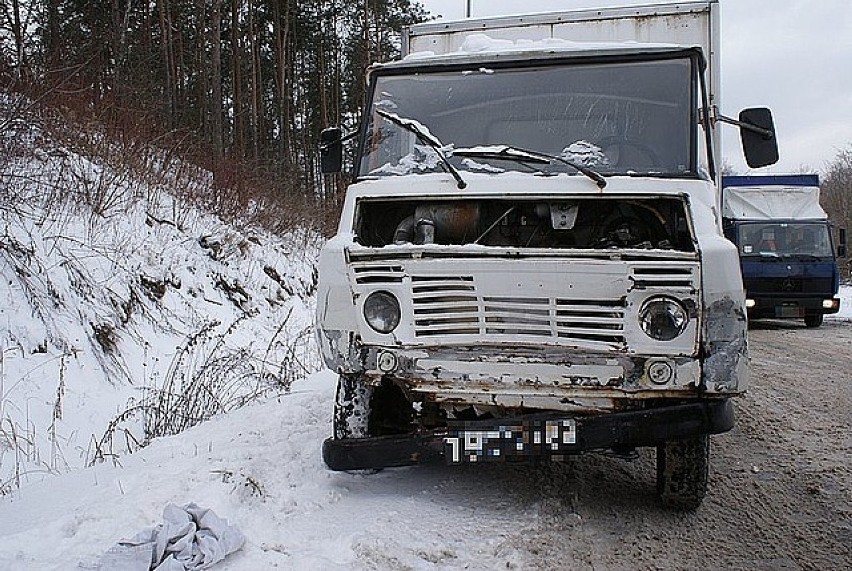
x: 529, y: 438
x: 788, y: 311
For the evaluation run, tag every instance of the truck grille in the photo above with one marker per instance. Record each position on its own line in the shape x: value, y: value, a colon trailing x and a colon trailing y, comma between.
x: 450, y: 307
x: 581, y: 303
x: 788, y: 285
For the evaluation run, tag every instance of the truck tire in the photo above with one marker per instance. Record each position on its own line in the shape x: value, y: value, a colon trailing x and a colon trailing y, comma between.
x: 351, y: 408
x: 682, y: 472
x: 390, y: 411
x: 362, y: 410
x: 813, y: 319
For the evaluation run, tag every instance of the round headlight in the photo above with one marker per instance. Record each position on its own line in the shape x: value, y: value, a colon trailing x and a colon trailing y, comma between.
x: 663, y: 318
x: 381, y: 310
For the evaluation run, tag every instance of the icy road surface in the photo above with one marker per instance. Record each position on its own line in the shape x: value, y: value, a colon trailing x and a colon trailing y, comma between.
x: 780, y: 495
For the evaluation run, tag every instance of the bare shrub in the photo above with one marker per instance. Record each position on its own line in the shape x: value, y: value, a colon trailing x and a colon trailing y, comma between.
x: 205, y: 378
x: 836, y: 191
x: 106, y: 336
x: 19, y: 448
x: 109, y: 158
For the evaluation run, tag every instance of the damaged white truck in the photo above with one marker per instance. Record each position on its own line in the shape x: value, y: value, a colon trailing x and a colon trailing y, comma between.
x: 530, y: 263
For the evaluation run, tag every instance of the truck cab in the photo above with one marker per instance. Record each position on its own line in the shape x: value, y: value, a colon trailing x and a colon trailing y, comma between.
x: 529, y: 263
x: 786, y: 246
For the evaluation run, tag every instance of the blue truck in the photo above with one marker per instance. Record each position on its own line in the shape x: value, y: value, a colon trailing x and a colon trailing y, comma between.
x: 786, y: 246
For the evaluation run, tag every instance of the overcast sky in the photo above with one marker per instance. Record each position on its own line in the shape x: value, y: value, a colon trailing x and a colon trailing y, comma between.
x: 794, y: 56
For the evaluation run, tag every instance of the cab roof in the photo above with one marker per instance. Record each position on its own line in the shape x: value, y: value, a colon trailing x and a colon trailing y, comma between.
x: 480, y: 50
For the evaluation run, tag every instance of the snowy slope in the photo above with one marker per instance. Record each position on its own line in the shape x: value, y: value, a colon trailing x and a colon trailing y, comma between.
x: 118, y: 299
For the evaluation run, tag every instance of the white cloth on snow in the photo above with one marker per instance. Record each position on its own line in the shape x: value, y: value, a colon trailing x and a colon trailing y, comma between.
x: 190, y: 538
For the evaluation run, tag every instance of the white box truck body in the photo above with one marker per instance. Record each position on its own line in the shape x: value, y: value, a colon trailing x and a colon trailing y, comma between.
x: 686, y: 24
x: 529, y: 263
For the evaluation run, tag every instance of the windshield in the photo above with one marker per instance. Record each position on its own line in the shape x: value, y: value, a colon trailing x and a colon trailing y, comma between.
x: 788, y: 239
x: 614, y: 118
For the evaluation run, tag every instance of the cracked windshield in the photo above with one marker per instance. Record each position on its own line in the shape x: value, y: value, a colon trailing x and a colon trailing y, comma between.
x: 619, y: 118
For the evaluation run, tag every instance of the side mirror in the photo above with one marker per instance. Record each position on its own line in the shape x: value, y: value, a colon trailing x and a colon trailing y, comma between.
x: 757, y: 131
x: 331, y: 150
x: 841, y: 247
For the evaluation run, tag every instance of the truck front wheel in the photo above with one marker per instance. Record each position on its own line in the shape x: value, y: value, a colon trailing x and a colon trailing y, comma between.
x: 351, y: 408
x: 362, y: 410
x: 813, y: 319
x: 682, y: 472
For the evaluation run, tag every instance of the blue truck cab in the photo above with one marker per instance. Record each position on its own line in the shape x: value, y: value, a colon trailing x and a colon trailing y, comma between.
x: 785, y: 244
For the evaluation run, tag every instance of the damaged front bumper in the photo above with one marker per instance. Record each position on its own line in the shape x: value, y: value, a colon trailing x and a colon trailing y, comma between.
x: 548, y: 436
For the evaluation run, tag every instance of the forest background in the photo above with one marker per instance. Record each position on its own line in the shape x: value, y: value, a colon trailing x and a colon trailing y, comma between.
x: 240, y: 88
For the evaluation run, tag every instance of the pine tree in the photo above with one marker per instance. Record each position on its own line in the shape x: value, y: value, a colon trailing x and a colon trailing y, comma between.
x: 251, y: 83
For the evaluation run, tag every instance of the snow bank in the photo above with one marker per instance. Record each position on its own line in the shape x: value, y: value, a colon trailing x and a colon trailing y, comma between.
x: 845, y: 313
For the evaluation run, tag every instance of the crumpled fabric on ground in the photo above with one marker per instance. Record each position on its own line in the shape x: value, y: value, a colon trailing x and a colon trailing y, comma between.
x: 190, y: 538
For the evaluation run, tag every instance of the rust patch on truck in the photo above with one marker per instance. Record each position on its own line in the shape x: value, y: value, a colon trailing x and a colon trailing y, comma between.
x: 725, y: 344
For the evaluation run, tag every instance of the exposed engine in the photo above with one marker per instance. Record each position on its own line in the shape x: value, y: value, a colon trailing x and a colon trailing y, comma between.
x: 583, y: 223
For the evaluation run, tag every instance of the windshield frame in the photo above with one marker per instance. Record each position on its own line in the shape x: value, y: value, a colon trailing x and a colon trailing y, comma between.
x: 697, y: 95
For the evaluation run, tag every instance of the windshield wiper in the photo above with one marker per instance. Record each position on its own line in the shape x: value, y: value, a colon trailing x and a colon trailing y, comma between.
x: 427, y: 138
x: 509, y: 153
x: 502, y: 152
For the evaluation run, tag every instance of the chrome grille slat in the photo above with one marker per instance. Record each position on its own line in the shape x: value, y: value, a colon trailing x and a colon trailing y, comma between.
x: 608, y: 323
x: 446, y: 319
x: 504, y: 317
x: 469, y: 308
x: 516, y: 331
x: 663, y: 277
x: 450, y: 307
x: 569, y: 331
x: 378, y: 274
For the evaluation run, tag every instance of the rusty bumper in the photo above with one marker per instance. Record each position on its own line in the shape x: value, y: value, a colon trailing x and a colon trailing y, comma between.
x: 532, y: 437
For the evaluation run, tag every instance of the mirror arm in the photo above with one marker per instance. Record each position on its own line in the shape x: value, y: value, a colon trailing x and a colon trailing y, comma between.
x: 343, y: 139
x: 767, y: 134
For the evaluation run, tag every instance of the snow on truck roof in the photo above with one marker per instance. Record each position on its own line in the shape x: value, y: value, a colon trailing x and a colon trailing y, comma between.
x: 478, y: 47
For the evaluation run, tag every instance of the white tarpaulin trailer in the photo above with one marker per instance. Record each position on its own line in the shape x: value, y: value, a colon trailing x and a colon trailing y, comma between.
x: 772, y: 203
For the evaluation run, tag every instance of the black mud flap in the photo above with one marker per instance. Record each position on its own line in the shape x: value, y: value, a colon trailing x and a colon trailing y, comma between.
x: 532, y: 437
